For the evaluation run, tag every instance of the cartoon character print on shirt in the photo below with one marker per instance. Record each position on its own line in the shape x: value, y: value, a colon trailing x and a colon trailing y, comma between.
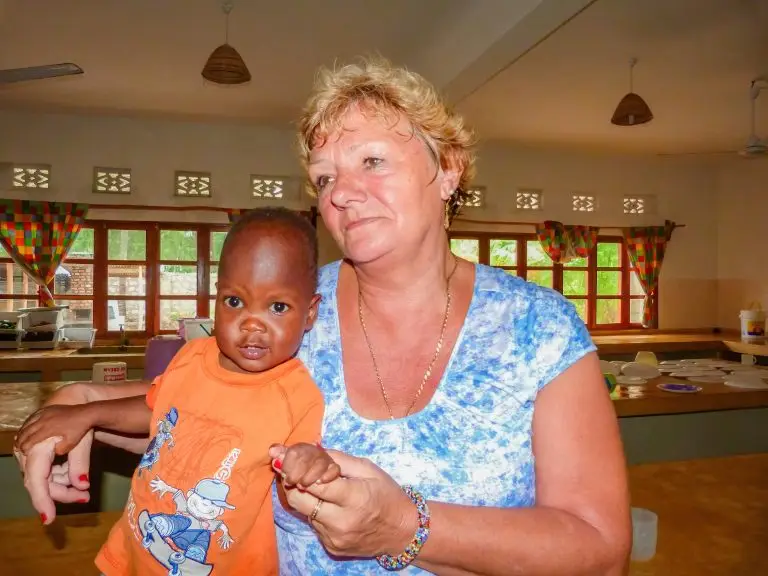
x: 180, y: 541
x: 162, y: 437
x: 182, y: 516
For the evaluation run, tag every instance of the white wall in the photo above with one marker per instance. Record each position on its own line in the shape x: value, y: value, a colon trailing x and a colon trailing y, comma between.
x: 686, y: 191
x: 742, y: 209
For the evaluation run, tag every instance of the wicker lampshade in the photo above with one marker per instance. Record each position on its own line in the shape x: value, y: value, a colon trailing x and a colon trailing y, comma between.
x: 631, y: 111
x: 226, y: 66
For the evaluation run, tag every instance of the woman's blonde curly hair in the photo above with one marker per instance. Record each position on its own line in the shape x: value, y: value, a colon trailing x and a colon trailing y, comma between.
x: 388, y: 91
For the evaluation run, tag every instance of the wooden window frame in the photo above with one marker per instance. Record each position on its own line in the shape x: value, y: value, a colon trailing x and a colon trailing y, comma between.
x: 484, y: 242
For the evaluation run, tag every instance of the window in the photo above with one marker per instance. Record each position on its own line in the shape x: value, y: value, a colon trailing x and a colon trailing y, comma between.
x: 32, y: 176
x: 193, y: 184
x: 17, y: 290
x: 143, y: 277
x: 603, y: 287
x: 528, y: 200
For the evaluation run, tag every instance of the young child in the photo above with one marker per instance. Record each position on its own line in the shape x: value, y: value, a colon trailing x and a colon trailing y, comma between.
x: 200, y: 497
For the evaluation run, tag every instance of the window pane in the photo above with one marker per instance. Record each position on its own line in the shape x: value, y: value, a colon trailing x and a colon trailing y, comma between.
x: 536, y: 255
x: 581, y: 307
x: 635, y: 288
x: 130, y: 313
x: 217, y: 241
x: 126, y: 280
x: 512, y: 272
x: 14, y: 281
x: 608, y: 311
x: 4, y: 252
x: 73, y: 279
x: 503, y: 252
x: 574, y: 283
x: 126, y: 245
x: 609, y: 283
x: 636, y: 307
x: 577, y: 263
x: 13, y: 305
x: 178, y: 280
x: 179, y: 245
x: 466, y: 248
x: 540, y: 277
x: 212, y: 308
x: 79, y: 313
x: 214, y: 279
x: 82, y: 247
x: 608, y: 255
x: 172, y: 310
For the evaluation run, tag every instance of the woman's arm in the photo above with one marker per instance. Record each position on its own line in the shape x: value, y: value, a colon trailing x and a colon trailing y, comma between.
x: 580, y: 523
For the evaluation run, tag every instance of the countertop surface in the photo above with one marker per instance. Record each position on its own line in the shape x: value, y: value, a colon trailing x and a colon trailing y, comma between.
x: 19, y: 400
x: 713, y: 521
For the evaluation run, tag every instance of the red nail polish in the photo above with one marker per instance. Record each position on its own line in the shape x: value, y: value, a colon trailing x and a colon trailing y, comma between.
x: 83, y: 477
x: 278, y: 464
x: 43, y: 518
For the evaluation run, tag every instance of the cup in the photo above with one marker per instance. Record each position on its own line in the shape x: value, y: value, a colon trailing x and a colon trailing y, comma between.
x: 107, y: 372
x: 748, y: 359
x: 644, y: 533
x: 645, y: 357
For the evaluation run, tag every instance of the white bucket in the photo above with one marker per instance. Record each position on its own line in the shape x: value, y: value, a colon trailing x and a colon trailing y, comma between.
x: 752, y: 324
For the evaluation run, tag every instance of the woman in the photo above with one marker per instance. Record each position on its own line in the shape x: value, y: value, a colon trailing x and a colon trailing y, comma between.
x: 480, y: 390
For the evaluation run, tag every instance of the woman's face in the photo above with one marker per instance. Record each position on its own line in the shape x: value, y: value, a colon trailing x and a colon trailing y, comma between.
x: 379, y: 188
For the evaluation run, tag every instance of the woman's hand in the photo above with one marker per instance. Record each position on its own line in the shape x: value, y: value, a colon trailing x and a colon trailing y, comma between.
x: 69, y: 423
x: 363, y: 514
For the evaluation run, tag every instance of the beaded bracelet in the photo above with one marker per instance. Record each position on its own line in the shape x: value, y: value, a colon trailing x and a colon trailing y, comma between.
x: 393, y: 563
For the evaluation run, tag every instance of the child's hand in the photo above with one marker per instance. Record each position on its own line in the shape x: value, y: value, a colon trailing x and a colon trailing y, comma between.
x: 303, y: 464
x: 70, y: 423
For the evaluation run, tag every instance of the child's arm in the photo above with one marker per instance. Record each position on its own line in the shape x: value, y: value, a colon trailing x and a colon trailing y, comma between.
x: 127, y: 415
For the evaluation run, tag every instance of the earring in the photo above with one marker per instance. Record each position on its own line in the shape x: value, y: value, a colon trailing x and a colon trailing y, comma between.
x: 447, y: 216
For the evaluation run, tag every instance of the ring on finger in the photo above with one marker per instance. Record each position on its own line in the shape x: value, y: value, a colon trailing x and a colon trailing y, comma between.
x: 316, y: 509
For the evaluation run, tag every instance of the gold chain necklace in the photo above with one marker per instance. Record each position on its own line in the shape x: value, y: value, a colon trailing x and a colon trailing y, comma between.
x: 431, y: 365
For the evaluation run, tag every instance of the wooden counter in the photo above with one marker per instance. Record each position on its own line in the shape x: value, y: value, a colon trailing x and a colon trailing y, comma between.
x: 19, y: 400
x: 658, y: 342
x: 713, y: 520
x: 51, y: 363
x: 756, y: 348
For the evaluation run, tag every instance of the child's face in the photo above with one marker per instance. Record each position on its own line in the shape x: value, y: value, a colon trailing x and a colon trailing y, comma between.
x: 264, y: 301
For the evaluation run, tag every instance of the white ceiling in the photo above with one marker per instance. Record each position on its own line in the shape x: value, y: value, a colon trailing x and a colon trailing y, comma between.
x: 696, y: 61
x: 513, y: 69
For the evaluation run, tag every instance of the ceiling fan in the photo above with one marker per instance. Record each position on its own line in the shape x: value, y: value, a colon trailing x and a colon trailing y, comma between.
x: 12, y: 75
x: 755, y: 146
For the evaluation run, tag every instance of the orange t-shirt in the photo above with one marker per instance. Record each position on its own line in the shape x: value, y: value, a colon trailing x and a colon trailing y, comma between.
x: 200, y: 498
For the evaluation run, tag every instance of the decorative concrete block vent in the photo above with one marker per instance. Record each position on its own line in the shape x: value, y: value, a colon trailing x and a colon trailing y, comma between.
x: 111, y: 180
x: 583, y: 203
x: 192, y: 184
x: 31, y: 176
x: 529, y: 200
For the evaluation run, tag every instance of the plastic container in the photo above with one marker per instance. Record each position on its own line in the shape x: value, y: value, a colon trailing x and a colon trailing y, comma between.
x: 196, y: 328
x: 77, y: 337
x: 645, y: 528
x: 752, y: 323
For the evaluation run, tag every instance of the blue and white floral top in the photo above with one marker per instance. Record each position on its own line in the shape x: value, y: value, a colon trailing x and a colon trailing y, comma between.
x: 471, y: 444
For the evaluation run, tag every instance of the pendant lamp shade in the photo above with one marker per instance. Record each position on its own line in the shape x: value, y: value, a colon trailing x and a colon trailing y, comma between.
x: 631, y: 111
x: 226, y: 66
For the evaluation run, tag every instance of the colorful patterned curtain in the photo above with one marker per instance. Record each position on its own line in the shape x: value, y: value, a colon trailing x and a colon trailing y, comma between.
x: 646, y: 247
x: 565, y: 243
x: 38, y: 236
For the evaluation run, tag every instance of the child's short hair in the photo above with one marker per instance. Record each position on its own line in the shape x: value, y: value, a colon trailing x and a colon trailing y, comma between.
x: 286, y: 217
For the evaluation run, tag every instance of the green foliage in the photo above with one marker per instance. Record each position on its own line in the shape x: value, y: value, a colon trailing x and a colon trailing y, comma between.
x: 126, y: 244
x: 466, y: 248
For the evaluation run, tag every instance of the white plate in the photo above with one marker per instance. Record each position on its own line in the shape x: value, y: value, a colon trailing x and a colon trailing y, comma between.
x: 630, y: 380
x: 691, y: 373
x: 690, y: 360
x: 640, y: 370
x: 669, y: 362
x: 746, y: 382
x: 679, y: 388
x: 609, y: 368
x: 706, y: 379
x: 669, y: 369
